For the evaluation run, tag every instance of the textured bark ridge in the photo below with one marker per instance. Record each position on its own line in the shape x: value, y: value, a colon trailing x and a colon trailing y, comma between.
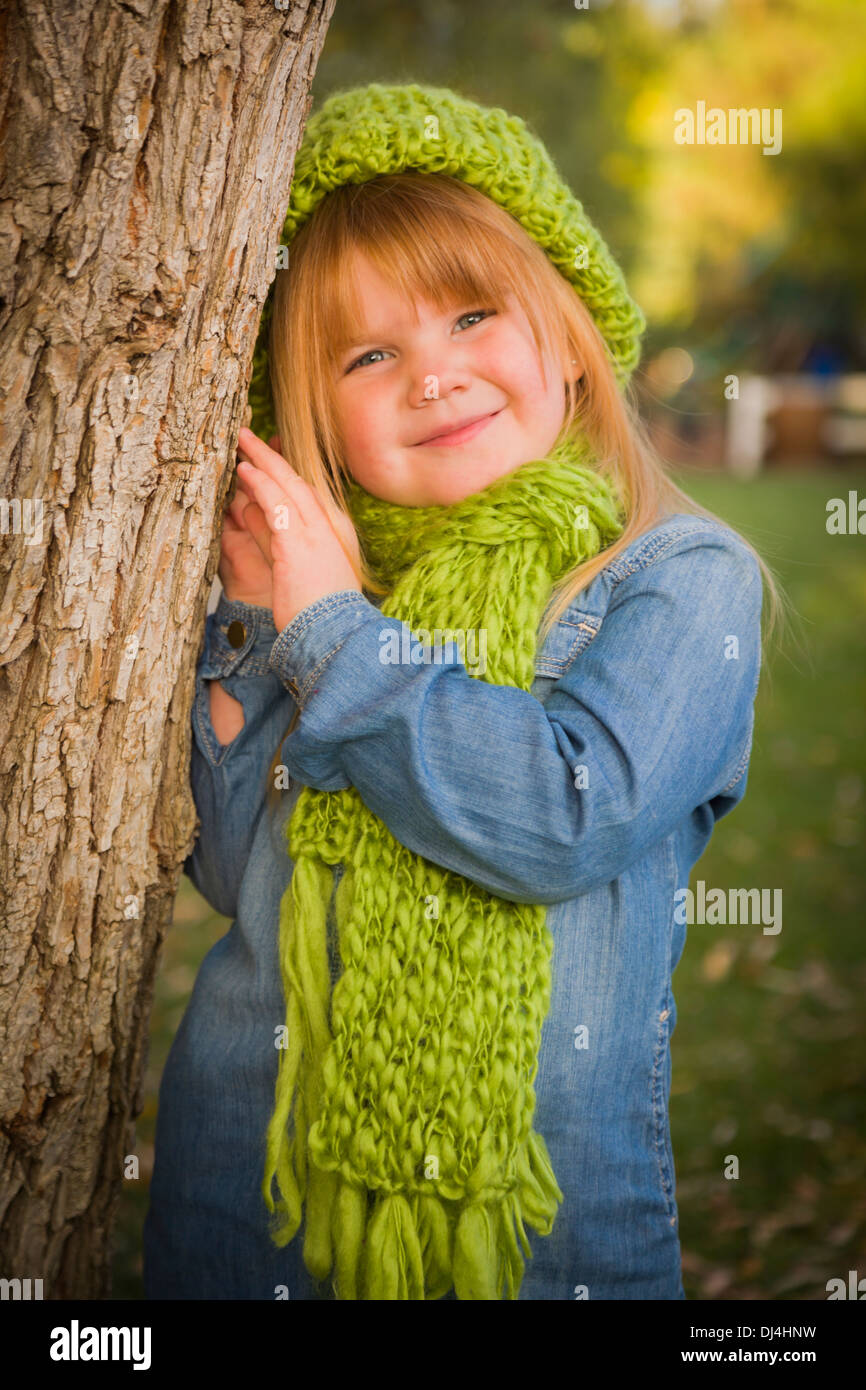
x: 147, y: 155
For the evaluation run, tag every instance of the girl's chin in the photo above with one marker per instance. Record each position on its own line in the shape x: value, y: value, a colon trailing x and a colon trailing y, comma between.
x: 477, y: 469
x: 453, y: 490
x: 440, y: 482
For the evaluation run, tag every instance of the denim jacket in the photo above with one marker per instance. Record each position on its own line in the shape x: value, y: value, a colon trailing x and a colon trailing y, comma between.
x: 594, y: 793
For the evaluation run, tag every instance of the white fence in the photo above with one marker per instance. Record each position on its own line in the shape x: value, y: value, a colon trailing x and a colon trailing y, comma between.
x: 839, y: 403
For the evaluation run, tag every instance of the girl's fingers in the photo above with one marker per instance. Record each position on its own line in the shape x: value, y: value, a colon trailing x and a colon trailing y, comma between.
x: 234, y: 513
x: 241, y: 508
x: 269, y: 462
x: 270, y: 500
x: 284, y: 497
x: 256, y: 524
x: 344, y: 529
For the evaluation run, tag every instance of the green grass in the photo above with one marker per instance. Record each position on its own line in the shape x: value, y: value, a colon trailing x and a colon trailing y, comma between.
x: 769, y: 1044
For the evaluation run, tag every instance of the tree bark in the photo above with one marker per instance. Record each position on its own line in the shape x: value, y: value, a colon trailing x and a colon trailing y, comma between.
x: 148, y: 148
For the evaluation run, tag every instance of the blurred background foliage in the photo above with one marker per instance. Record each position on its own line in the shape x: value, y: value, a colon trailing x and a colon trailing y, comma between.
x: 722, y: 245
x: 741, y: 259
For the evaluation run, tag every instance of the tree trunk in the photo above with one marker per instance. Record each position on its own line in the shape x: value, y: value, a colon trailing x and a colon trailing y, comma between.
x: 148, y: 153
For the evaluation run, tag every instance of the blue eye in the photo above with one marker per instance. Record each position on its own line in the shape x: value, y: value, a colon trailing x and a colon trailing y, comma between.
x: 358, y: 362
x: 479, y: 314
x: 476, y: 313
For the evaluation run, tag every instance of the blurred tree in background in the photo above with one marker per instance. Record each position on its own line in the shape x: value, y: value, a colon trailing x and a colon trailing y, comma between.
x: 740, y: 248
x: 743, y: 258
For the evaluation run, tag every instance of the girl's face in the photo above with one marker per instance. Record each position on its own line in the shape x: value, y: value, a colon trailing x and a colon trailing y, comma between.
x: 403, y: 390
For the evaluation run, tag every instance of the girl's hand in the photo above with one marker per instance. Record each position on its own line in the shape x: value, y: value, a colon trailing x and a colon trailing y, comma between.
x: 310, y: 548
x: 243, y: 569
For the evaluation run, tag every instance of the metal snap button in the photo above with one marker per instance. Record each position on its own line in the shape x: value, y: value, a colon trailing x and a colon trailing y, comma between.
x: 236, y: 633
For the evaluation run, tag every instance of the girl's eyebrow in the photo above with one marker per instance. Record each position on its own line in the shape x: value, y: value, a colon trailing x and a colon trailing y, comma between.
x: 369, y: 333
x: 379, y: 333
x: 347, y: 344
x: 346, y: 347
x: 346, y: 350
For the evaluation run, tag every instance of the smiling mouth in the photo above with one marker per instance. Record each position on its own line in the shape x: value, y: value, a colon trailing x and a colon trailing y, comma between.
x: 458, y: 436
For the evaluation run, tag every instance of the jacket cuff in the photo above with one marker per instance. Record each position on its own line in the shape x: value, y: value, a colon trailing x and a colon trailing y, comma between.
x: 303, y: 648
x: 238, y: 639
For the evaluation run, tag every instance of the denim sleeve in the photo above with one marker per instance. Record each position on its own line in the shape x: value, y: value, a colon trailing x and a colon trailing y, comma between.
x: 541, y: 802
x: 229, y: 780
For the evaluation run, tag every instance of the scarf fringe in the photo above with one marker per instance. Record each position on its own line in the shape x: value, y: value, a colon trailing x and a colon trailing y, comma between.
x: 417, y: 1247
x: 381, y: 1246
x: 470, y: 994
x: 306, y: 985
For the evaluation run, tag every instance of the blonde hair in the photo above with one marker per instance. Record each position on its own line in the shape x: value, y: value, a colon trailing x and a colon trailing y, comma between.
x: 435, y: 237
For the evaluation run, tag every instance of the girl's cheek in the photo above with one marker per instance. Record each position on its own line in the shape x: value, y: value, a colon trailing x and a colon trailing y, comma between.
x: 375, y: 411
x: 511, y: 363
x: 525, y: 378
x: 353, y: 412
x: 360, y: 431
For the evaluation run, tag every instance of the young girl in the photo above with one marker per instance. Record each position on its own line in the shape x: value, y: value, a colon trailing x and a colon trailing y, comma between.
x: 444, y: 1015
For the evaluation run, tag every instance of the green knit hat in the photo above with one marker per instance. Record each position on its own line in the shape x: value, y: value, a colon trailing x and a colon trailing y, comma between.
x: 378, y: 129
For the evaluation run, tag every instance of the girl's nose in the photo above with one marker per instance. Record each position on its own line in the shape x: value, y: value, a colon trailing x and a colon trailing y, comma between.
x: 432, y: 376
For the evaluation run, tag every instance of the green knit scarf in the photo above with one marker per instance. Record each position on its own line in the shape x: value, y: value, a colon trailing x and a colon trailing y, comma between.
x: 404, y: 1099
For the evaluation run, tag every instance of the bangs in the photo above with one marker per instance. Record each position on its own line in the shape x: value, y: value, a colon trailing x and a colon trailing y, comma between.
x: 435, y: 239
x: 430, y: 237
